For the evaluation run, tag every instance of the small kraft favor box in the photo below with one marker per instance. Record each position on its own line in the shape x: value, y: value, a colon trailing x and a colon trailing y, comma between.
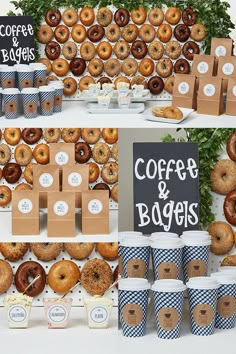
x: 95, y: 212
x: 221, y: 47
x: 226, y: 70
x: 203, y: 65
x: 231, y: 98
x: 210, y: 96
x: 25, y: 213
x: 184, y: 93
x: 61, y: 214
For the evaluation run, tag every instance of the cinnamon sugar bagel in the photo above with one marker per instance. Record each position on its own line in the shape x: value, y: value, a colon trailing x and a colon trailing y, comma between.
x: 222, y: 237
x: 223, y: 177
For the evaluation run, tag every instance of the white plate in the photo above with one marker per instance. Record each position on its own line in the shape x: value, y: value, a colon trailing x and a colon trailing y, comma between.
x: 186, y: 112
x: 84, y: 96
x: 114, y: 108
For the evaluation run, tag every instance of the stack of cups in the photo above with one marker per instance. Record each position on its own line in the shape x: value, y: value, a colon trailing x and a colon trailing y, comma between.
x: 58, y: 95
x: 30, y: 102
x: 202, y: 294
x: 8, y: 77
x: 46, y: 98
x: 168, y: 305
x: 133, y: 303
x: 11, y: 102
x: 39, y: 74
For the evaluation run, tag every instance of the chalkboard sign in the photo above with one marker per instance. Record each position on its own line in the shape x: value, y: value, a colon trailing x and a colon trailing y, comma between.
x: 16, y: 40
x: 166, y: 187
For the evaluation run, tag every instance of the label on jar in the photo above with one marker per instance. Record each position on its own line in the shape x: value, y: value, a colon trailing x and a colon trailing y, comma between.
x: 183, y: 88
x: 132, y: 314
x: 99, y: 314
x: 228, y: 69
x: 234, y: 90
x: 136, y: 268
x: 62, y: 158
x: 46, y: 180
x: 25, y: 206
x: 75, y: 179
x: 209, y: 90
x: 203, y: 67
x: 226, y: 306
x: 17, y: 313
x: 203, y: 315
x: 57, y: 314
x: 196, y: 268
x: 220, y: 51
x: 95, y: 206
x: 168, y: 318
x: 61, y: 208
x: 167, y: 270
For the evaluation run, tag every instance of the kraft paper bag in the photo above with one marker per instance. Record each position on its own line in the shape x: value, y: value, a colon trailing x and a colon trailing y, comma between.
x: 210, y: 96
x: 221, y: 47
x: 231, y: 98
x: 203, y: 65
x: 226, y: 70
x: 184, y: 93
x: 62, y: 154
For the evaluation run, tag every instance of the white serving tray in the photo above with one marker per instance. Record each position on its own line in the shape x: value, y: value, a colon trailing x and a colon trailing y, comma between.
x: 186, y: 112
x: 84, y: 96
x: 114, y: 108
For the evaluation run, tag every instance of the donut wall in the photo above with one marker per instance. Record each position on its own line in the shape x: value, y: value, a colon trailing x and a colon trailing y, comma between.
x: 102, y: 151
x: 110, y: 44
x: 79, y: 293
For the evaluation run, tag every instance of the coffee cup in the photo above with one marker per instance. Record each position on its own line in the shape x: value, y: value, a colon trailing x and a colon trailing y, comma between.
x: 8, y: 77
x: 25, y: 77
x: 46, y: 98
x: 30, y: 102
x: 11, y: 102
x: 39, y: 74
x: 59, y: 87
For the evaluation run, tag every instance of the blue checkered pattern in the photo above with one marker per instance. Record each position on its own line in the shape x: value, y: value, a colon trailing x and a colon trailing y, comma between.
x: 11, y: 98
x: 134, y: 297
x: 199, y: 296
x: 8, y: 75
x: 22, y: 76
x: 58, y: 92
x: 31, y: 97
x: 171, y: 300
x: 223, y: 322
x: 1, y: 104
x: 39, y: 74
x: 169, y: 255
x: 194, y: 252
x: 129, y: 253
x: 43, y: 97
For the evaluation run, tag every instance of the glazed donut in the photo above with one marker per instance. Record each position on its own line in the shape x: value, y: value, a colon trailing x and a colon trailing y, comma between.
x: 189, y: 49
x: 113, y: 32
x: 147, y: 33
x: 102, y: 187
x: 23, y: 187
x: 41, y: 154
x: 13, y: 251
x: 96, y: 276
x: 173, y: 49
x: 70, y: 17
x: 87, y: 51
x: 121, y: 79
x: 104, y: 50
x: 85, y: 82
x: 45, y: 34
x: 156, y: 16
x: 60, y: 67
x: 139, y: 15
x: 91, y: 135
x: 61, y: 33
x: 77, y: 66
x: 52, y: 135
x: 79, y: 250
x: 169, y: 84
x: 182, y: 33
x: 172, y: 113
x: 5, y: 154
x: 110, y: 172
x: 189, y: 16
x: 121, y: 50
x: 121, y: 17
x: 83, y: 152
x: 95, y: 67
x: 146, y: 67
x: 95, y: 33
x: 112, y: 67
x: 138, y: 80
x: 104, y: 16
x: 94, y: 172
x: 5, y: 196
x: 87, y: 16
x: 53, y: 17
x: 101, y: 153
x: 52, y: 50
x: 70, y: 86
x: 164, y: 33
x: 46, y: 251
x: 231, y: 146
x: 182, y: 66
x: 23, y: 154
x: 173, y: 15
x: 78, y: 33
x: 24, y: 275
x: 156, y: 85
x: 28, y: 173
x: 229, y: 208
x: 12, y: 136
x: 114, y: 151
x: 139, y: 49
x: 229, y: 261
x: 48, y: 64
x: 6, y: 276
x: 104, y: 80
x: 69, y: 50
x: 70, y: 135
x: 130, y: 33
x: 108, y: 250
x: 63, y: 275
x: 129, y: 66
x: 12, y: 172
x: 222, y: 237
x: 198, y: 32
x: 223, y: 177
x: 164, y: 67
x: 115, y: 193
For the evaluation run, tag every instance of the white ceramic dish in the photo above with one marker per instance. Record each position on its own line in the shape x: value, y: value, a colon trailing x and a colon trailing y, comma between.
x: 186, y: 112
x: 114, y: 108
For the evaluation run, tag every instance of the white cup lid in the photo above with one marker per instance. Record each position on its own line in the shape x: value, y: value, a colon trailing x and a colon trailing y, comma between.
x: 164, y: 244
x: 10, y: 91
x: 1, y: 90
x: 7, y: 69
x: 164, y: 234
x: 227, y: 269
x: 202, y: 283
x: 56, y: 84
x: 134, y: 284
x: 200, y: 240
x: 195, y: 232
x: 38, y: 66
x: 139, y: 241
x: 224, y: 278
x: 25, y: 69
x: 46, y: 89
x: 168, y: 286
x: 29, y: 90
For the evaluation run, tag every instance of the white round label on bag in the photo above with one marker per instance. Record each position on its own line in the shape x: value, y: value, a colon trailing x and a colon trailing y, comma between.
x: 220, y: 51
x: 95, y: 206
x: 17, y: 313
x: 99, y: 314
x: 25, y: 206
x: 75, y: 179
x: 46, y: 180
x: 57, y: 314
x: 61, y: 208
x: 203, y: 67
x: 209, y: 90
x: 234, y: 90
x: 228, y: 69
x: 183, y: 88
x: 62, y: 158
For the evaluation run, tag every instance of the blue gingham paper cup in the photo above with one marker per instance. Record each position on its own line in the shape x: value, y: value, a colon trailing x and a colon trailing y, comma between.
x: 133, y: 302
x: 11, y: 102
x: 168, y: 306
x: 167, y: 258
x: 125, y: 235
x: 8, y: 77
x: 2, y: 66
x: 1, y: 101
x: 30, y: 102
x: 202, y: 295
x: 226, y: 302
x: 59, y: 87
x: 25, y: 77
x: 46, y: 99
x: 135, y: 257
x: 39, y: 74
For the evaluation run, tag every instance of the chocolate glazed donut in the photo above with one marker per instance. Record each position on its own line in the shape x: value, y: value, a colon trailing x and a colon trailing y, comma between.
x: 95, y: 33
x: 229, y: 208
x: 156, y: 85
x: 104, y: 80
x: 53, y: 18
x: 231, y: 146
x: 32, y: 135
x: 189, y: 16
x: 182, y: 33
x: 26, y: 272
x: 83, y: 152
x: 122, y: 17
x: 139, y: 49
x: 77, y: 66
x: 53, y: 50
x: 12, y: 172
x: 182, y: 66
x: 189, y: 49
